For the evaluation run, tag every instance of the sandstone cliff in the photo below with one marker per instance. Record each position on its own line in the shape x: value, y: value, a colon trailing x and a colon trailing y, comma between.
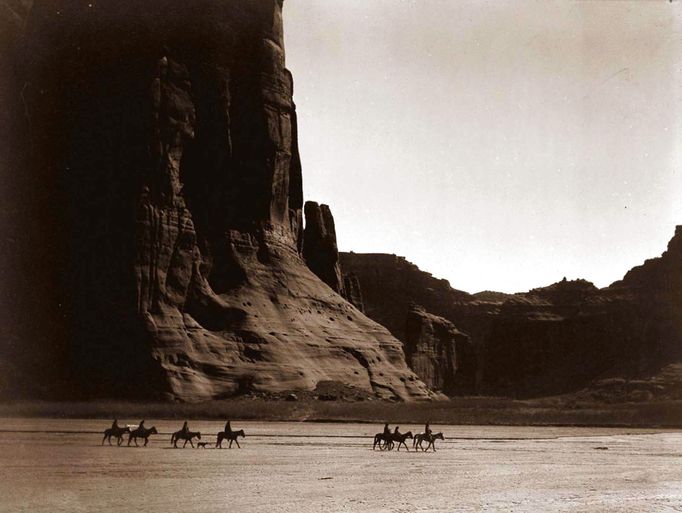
x: 551, y: 340
x: 320, y: 251
x: 160, y: 170
x: 390, y: 285
x: 438, y: 353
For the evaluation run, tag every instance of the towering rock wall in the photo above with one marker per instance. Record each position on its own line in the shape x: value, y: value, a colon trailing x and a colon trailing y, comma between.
x: 161, y: 146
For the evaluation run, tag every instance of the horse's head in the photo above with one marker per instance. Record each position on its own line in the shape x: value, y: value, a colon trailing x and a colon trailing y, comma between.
x: 198, y: 435
x: 241, y: 433
x: 408, y: 434
x: 439, y: 435
x: 153, y: 431
x: 126, y: 429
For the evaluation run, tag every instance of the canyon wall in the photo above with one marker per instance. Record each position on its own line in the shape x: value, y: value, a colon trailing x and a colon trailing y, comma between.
x: 561, y: 338
x: 440, y: 354
x: 156, y: 157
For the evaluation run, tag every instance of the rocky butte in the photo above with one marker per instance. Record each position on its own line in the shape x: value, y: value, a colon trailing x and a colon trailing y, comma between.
x: 157, y: 211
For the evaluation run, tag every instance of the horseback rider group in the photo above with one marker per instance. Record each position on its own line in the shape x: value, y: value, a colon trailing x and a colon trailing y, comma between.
x: 386, y: 440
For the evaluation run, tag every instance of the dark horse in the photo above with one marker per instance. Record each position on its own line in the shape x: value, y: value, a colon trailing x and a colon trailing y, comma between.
x: 386, y: 441
x: 231, y: 436
x: 400, y: 438
x: 186, y: 436
x: 117, y: 432
x: 421, y: 437
x: 383, y: 440
x: 141, y: 432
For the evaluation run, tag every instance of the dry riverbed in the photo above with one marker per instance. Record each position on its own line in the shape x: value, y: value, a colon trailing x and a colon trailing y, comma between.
x: 54, y: 465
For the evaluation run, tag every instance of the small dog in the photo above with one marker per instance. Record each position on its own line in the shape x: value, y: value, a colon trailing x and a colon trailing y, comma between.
x: 202, y: 445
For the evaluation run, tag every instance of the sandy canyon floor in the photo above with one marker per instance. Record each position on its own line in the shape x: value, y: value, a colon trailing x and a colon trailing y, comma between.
x: 51, y: 465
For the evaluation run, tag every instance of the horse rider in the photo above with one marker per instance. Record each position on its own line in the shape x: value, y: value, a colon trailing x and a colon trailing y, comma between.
x: 185, y: 428
x: 427, y: 430
x: 395, y: 431
x: 228, y: 428
x: 114, y: 425
x: 387, y: 430
x: 141, y: 426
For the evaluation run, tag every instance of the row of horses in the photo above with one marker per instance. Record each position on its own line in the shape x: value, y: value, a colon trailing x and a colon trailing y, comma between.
x: 387, y: 441
x: 383, y: 441
x: 144, y: 433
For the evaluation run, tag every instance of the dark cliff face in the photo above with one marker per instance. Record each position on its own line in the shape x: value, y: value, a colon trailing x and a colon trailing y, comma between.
x: 439, y: 354
x: 320, y: 251
x: 157, y: 155
x: 551, y: 340
x: 390, y: 285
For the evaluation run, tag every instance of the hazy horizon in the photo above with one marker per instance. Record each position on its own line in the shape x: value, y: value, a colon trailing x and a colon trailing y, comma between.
x: 501, y: 146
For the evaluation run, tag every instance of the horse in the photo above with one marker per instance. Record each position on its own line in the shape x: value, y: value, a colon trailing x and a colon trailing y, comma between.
x: 117, y: 432
x: 419, y: 438
x: 231, y: 436
x: 400, y: 438
x: 141, y: 432
x: 186, y: 436
x: 383, y: 440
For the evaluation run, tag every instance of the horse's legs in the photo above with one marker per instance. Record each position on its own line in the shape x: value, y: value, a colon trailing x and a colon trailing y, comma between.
x: 238, y: 446
x: 146, y: 441
x: 183, y: 445
x: 190, y: 443
x: 135, y: 439
x: 230, y: 446
x: 105, y: 437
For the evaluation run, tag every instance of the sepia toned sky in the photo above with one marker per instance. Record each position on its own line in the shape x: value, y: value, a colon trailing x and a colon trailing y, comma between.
x: 500, y: 145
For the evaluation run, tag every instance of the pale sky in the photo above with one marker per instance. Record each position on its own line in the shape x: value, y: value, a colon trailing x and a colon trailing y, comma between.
x: 499, y: 145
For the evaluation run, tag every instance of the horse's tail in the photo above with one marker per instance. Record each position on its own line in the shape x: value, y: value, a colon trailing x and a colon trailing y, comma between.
x: 173, y: 438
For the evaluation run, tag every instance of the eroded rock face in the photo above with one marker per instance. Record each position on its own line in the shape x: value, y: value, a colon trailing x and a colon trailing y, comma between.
x: 319, y: 245
x: 438, y: 353
x: 353, y: 291
x: 551, y: 340
x: 391, y: 285
x: 163, y: 136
